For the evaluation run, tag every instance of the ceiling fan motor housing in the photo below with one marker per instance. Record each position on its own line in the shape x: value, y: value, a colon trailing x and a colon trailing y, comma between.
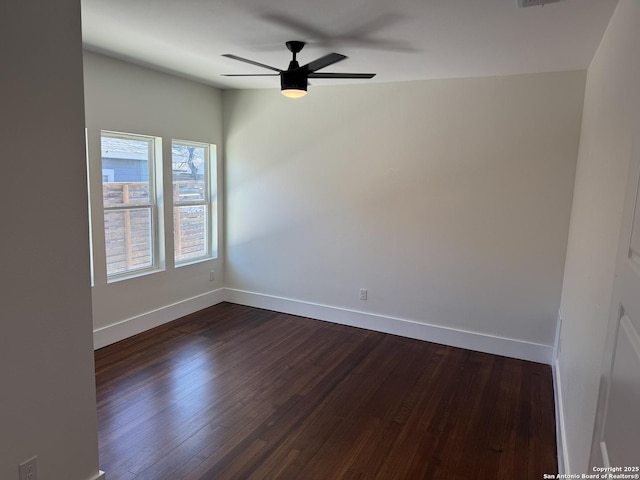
x: 293, y: 79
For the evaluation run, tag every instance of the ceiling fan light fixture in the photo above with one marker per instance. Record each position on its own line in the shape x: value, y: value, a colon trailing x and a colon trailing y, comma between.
x: 293, y: 83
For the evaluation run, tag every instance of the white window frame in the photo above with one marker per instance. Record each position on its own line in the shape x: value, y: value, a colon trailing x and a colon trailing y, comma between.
x: 154, y: 204
x: 210, y: 179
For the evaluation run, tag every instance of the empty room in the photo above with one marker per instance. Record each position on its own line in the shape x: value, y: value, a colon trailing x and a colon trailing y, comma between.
x: 320, y: 240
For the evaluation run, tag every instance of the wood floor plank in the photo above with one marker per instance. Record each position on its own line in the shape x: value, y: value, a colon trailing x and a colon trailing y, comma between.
x: 234, y: 392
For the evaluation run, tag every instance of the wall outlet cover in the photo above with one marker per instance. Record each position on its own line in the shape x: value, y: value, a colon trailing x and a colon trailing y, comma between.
x: 29, y: 469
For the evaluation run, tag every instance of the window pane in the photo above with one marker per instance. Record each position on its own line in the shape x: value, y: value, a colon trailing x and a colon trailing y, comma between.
x: 125, y: 170
x: 128, y: 240
x: 188, y: 169
x: 190, y: 232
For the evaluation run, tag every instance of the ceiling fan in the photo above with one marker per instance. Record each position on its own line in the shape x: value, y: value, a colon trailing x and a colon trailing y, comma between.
x: 294, y: 80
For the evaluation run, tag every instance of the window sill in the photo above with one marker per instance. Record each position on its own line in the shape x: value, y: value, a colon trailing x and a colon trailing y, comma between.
x: 132, y: 275
x: 194, y: 261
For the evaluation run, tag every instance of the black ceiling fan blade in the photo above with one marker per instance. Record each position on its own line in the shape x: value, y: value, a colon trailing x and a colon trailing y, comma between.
x: 250, y: 74
x: 341, y: 75
x: 245, y: 60
x: 322, y: 62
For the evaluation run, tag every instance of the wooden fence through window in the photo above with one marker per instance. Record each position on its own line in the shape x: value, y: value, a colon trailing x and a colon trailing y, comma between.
x: 129, y: 231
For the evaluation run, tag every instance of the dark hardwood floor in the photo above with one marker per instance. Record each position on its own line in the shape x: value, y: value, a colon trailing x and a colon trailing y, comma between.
x: 234, y: 392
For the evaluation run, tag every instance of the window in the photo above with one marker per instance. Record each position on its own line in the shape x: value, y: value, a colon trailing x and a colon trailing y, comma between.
x: 129, y: 182
x: 131, y: 173
x: 192, y: 169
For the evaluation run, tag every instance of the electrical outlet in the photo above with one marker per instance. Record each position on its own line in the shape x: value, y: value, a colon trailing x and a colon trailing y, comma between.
x: 29, y: 469
x: 212, y: 276
x: 363, y: 294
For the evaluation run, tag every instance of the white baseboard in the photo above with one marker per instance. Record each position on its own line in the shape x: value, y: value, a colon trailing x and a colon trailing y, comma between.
x: 100, y: 476
x: 561, y: 438
x: 132, y: 326
x: 480, y: 342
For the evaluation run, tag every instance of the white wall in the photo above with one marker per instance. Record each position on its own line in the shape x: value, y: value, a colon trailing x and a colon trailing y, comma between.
x: 611, y: 99
x: 47, y: 401
x: 448, y: 200
x: 123, y: 97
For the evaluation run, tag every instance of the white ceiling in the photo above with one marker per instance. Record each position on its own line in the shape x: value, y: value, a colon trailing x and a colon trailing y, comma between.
x: 399, y: 40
